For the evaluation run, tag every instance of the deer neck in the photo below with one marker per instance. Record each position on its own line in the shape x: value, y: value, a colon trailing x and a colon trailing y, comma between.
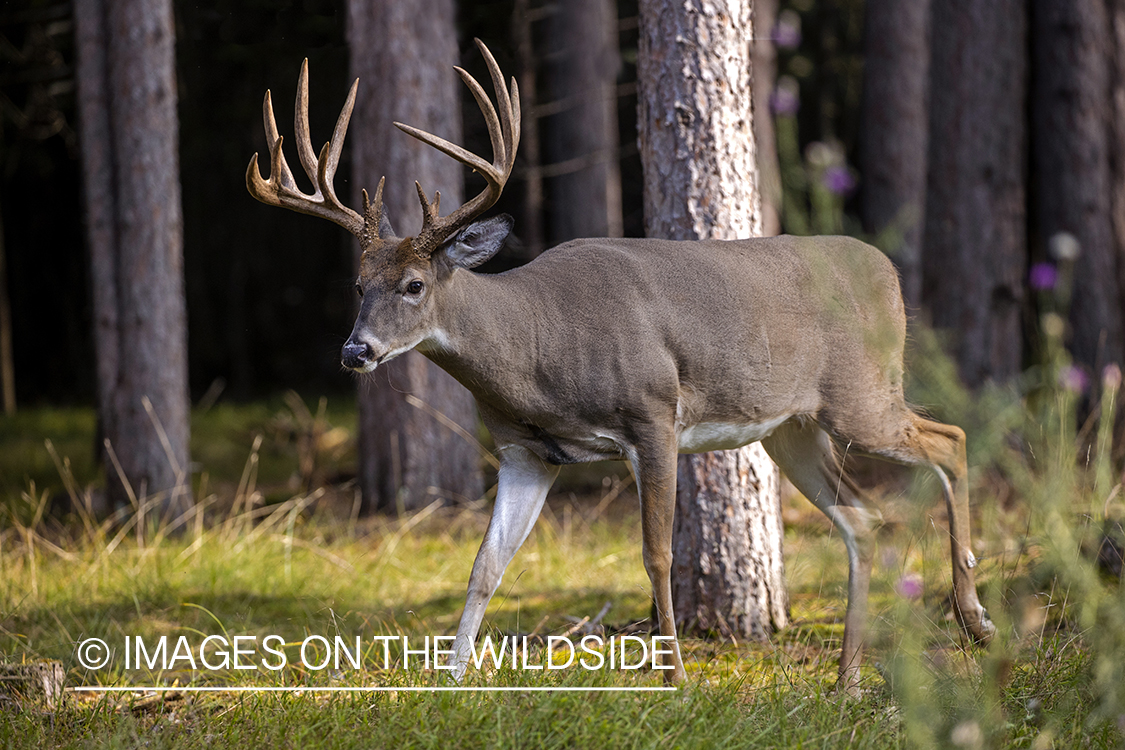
x: 483, y: 334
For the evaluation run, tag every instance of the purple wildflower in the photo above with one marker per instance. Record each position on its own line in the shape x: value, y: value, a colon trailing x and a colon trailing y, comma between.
x: 787, y: 32
x: 785, y: 101
x: 1111, y: 377
x: 1043, y: 276
x: 838, y: 180
x: 1074, y: 379
x: 909, y: 586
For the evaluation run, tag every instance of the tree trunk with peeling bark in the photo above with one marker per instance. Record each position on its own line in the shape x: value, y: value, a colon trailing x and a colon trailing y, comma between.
x: 130, y: 151
x: 698, y: 152
x: 403, y: 52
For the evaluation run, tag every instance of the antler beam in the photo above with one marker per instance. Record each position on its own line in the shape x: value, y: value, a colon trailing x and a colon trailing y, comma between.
x: 280, y: 189
x: 503, y: 131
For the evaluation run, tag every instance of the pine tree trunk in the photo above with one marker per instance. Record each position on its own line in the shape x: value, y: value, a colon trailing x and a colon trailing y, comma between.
x: 698, y: 153
x: 975, y: 226
x: 403, y: 52
x: 7, y: 364
x: 129, y: 131
x: 582, y: 138
x: 1072, y: 130
x: 895, y: 132
x: 764, y: 69
x: 530, y: 221
x: 1117, y: 133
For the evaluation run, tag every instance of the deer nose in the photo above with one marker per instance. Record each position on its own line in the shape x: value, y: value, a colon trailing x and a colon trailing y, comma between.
x: 355, y: 355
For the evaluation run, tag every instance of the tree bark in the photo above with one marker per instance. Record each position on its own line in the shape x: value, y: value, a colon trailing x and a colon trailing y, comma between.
x: 582, y: 139
x: 1072, y: 131
x: 7, y: 364
x: 1117, y: 133
x: 698, y: 152
x: 531, y: 219
x: 764, y: 69
x: 975, y: 227
x: 130, y: 150
x: 895, y: 133
x: 403, y: 52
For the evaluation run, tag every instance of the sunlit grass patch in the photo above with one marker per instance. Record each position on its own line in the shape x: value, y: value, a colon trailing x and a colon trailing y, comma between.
x: 277, y: 549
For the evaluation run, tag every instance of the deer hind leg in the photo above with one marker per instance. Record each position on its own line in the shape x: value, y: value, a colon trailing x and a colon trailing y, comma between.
x: 805, y: 453
x: 904, y: 437
x: 655, y: 469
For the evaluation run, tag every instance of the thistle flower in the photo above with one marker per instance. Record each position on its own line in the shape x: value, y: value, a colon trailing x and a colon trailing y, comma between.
x: 1064, y: 246
x: 1074, y: 379
x: 786, y: 98
x: 1111, y: 377
x: 838, y: 180
x: 787, y: 31
x: 1043, y: 277
x: 909, y: 586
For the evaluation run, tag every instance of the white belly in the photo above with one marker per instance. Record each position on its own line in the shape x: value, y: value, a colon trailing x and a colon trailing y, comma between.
x: 722, y: 436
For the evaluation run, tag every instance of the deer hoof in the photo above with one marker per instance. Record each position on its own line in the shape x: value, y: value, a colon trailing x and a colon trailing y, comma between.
x: 984, y: 630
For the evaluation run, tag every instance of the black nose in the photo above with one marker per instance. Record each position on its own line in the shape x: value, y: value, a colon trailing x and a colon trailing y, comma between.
x: 355, y: 354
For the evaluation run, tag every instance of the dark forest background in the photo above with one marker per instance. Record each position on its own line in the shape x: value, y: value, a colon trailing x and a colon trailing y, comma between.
x: 269, y: 293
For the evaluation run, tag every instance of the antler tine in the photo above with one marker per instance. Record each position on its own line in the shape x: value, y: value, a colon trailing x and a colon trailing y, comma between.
x: 281, y: 190
x: 273, y: 141
x: 467, y: 158
x: 330, y: 154
x: 372, y: 214
x: 507, y: 115
x: 503, y: 132
x: 301, y: 127
x: 496, y: 131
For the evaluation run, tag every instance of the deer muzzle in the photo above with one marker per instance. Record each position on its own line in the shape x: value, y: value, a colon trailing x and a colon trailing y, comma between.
x: 358, y: 356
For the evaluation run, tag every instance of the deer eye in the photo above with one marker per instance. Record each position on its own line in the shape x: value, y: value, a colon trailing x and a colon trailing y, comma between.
x: 414, y: 287
x: 358, y: 289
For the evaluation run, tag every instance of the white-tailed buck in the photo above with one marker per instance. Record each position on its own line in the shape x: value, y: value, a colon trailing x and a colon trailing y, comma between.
x: 640, y: 349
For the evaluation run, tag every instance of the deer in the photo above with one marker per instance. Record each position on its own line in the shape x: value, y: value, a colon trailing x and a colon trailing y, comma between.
x: 639, y: 350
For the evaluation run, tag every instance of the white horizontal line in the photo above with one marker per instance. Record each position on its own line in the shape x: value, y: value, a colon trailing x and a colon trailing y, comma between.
x: 373, y: 689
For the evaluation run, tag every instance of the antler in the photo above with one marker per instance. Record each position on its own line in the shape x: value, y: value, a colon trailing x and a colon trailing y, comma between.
x: 504, y: 132
x: 281, y: 190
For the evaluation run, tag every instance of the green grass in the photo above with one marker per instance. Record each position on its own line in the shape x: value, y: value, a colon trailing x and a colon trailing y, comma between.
x: 274, y: 556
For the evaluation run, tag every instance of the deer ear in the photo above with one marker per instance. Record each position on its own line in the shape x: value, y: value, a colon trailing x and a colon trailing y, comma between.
x: 479, y: 241
x: 386, y: 231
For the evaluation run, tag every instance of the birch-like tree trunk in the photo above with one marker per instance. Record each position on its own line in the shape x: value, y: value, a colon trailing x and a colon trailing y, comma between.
x: 130, y: 151
x: 403, y: 52
x: 976, y: 221
x: 698, y: 152
x: 895, y: 132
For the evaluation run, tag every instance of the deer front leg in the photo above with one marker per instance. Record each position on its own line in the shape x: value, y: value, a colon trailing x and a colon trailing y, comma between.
x: 523, y: 484
x: 655, y: 468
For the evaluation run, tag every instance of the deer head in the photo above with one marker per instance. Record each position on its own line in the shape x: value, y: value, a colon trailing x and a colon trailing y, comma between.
x: 400, y: 279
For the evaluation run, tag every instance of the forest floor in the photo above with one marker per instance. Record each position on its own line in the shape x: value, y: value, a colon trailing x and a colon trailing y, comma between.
x: 280, y: 550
